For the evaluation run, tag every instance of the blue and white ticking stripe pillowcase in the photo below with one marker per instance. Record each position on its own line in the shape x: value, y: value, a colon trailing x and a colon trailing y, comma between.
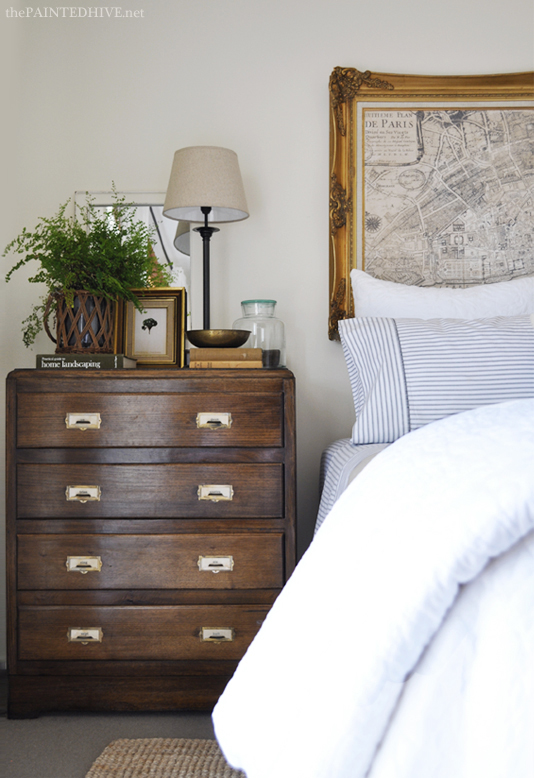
x: 405, y: 373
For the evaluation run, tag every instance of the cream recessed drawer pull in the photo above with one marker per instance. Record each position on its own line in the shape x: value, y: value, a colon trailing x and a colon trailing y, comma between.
x: 84, y: 564
x: 214, y: 421
x: 216, y: 564
x: 85, y: 635
x: 216, y: 635
x: 83, y: 421
x: 83, y: 493
x: 215, y: 492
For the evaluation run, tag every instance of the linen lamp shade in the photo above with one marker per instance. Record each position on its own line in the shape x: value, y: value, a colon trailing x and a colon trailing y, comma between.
x: 205, y: 176
x: 182, y: 239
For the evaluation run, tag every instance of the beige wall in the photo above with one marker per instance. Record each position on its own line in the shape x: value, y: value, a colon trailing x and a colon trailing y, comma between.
x: 88, y: 101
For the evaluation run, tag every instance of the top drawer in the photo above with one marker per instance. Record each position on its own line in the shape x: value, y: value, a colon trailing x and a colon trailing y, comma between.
x: 148, y: 420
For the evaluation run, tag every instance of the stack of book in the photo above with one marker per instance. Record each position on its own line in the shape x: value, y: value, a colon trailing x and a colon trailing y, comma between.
x: 84, y: 362
x: 225, y: 357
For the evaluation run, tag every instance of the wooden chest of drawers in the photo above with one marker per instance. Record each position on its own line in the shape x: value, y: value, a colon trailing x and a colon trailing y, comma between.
x: 150, y: 526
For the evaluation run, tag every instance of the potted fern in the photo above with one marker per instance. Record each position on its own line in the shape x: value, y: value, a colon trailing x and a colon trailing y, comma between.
x: 87, y: 264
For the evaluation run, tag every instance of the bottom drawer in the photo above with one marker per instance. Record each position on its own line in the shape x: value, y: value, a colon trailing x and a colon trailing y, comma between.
x: 138, y: 633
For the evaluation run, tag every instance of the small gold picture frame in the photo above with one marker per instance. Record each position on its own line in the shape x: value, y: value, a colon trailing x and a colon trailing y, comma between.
x: 155, y: 337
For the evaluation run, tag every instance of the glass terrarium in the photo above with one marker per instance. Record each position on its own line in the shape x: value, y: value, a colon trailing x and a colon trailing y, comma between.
x: 266, y: 331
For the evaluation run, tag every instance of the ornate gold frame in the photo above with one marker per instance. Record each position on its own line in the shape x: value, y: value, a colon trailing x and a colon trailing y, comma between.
x: 348, y: 88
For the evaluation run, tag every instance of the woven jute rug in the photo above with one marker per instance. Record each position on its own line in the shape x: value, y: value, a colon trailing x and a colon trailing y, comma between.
x: 162, y: 758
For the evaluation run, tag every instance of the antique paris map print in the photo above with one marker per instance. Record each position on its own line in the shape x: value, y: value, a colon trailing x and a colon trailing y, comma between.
x: 431, y: 180
x: 448, y: 194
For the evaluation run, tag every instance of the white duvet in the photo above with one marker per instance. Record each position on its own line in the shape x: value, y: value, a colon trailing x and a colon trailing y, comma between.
x: 362, y: 667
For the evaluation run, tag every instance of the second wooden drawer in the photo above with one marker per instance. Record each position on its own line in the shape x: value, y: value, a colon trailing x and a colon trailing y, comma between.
x: 150, y: 491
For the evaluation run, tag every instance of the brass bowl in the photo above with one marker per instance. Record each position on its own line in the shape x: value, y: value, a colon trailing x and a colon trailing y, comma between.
x: 218, y: 338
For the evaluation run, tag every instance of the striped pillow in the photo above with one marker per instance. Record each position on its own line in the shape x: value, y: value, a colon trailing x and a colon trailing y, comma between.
x: 405, y: 373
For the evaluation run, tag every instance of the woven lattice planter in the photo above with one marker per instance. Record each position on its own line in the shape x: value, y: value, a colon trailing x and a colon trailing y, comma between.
x: 86, y: 328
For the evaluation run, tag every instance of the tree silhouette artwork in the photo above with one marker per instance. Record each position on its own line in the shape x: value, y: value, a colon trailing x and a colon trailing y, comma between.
x: 148, y: 324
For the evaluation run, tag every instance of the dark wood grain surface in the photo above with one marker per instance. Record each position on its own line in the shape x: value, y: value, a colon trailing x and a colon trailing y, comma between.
x: 137, y: 632
x: 148, y: 528
x: 153, y: 562
x: 149, y: 491
x: 153, y: 419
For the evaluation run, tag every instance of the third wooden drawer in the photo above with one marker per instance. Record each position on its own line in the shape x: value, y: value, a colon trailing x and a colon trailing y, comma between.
x: 188, y: 561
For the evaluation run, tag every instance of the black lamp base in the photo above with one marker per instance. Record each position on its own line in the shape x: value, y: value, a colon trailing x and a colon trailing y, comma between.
x: 206, y: 231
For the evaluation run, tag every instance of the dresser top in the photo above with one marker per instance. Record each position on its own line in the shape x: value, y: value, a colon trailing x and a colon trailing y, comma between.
x: 151, y: 380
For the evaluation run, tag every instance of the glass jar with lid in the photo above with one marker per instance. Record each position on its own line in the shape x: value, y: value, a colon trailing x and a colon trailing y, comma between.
x: 266, y: 331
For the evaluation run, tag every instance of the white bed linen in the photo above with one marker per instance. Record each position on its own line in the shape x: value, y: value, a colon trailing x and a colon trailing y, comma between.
x: 468, y: 708
x: 341, y: 462
x: 315, y: 692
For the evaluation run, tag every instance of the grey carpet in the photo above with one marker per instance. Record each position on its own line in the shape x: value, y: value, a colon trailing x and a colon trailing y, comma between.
x: 65, y: 746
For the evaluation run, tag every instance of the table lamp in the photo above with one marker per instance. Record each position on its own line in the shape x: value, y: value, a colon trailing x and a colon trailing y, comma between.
x: 205, y: 186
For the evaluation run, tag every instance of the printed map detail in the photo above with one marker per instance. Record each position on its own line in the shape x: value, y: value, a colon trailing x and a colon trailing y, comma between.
x: 449, y: 195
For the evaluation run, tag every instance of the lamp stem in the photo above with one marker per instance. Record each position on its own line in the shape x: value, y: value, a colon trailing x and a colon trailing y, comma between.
x: 206, y: 231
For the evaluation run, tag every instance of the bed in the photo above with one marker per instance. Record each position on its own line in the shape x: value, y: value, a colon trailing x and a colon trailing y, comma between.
x: 402, y: 645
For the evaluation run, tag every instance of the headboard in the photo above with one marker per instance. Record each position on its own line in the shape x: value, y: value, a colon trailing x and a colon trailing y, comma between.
x: 431, y: 180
